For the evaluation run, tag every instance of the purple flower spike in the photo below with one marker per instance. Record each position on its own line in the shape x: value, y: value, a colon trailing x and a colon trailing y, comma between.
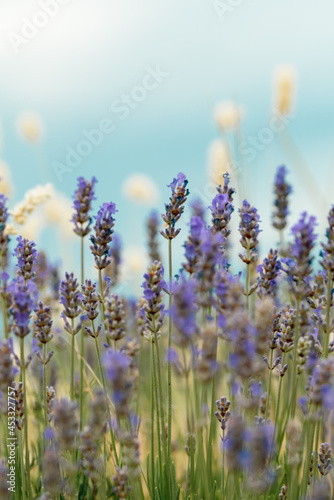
x: 22, y: 305
x: 184, y: 310
x: 282, y: 190
x: 83, y: 197
x: 26, y: 255
x: 103, y: 230
x: 175, y: 208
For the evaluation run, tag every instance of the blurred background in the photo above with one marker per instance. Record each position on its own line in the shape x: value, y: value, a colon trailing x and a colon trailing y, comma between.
x: 135, y: 92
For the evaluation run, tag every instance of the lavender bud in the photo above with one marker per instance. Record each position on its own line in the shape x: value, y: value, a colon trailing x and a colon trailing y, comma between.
x: 175, y: 208
x: 22, y: 305
x: 324, y: 459
x: 101, y: 239
x: 249, y: 229
x: 66, y: 423
x: 121, y: 478
x: 282, y: 191
x: 153, y: 231
x: 115, y: 318
x: 26, y: 254
x: 90, y: 299
x: 83, y: 197
x: 43, y: 323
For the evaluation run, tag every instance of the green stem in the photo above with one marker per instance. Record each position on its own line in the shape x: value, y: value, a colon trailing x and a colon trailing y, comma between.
x: 277, y: 405
x: 269, y: 384
x: 223, y: 469
x: 82, y: 343
x: 44, y: 388
x: 248, y: 269
x: 152, y: 429
x: 72, y: 363
x: 24, y: 492
x: 4, y: 317
x: 169, y: 440
x: 328, y: 313
x: 310, y: 437
x: 294, y: 366
x: 98, y: 355
x: 27, y: 459
x: 160, y: 433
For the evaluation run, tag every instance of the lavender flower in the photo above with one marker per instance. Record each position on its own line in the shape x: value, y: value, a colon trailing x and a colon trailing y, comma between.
x: 282, y: 191
x: 175, y: 208
x: 153, y: 231
x: 103, y: 230
x: 324, y: 459
x: 22, y: 294
x: 26, y: 254
x: 43, y: 323
x: 268, y: 271
x: 71, y: 299
x: 223, y: 412
x: 221, y: 210
x: 52, y: 481
x: 90, y: 299
x: 211, y: 257
x: 192, y: 246
x: 83, y: 197
x: 64, y: 414
x: 115, y: 318
x: 205, y: 363
x: 153, y: 309
x: 183, y: 311
x: 303, y: 244
x: 249, y: 229
x: 237, y: 457
x: 117, y: 365
x: 321, y: 383
x: 121, y: 487
x: 19, y: 406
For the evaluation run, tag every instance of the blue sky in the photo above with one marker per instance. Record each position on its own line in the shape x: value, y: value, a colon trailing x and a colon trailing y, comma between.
x: 89, y: 54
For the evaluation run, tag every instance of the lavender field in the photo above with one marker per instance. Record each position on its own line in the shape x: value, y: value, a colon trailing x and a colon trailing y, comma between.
x: 212, y: 384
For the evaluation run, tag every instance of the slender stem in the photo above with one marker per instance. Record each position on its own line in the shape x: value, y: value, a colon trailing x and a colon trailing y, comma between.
x: 169, y: 441
x: 248, y: 269
x: 72, y: 363
x: 112, y: 437
x: 223, y: 469
x: 277, y: 406
x: 328, y: 312
x: 269, y: 384
x: 22, y: 464
x: 103, y: 309
x: 82, y: 342
x: 152, y: 428
x: 294, y: 366
x: 160, y: 434
x: 211, y: 428
x: 4, y: 317
x: 44, y: 387
x: 310, y: 437
x: 27, y: 459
